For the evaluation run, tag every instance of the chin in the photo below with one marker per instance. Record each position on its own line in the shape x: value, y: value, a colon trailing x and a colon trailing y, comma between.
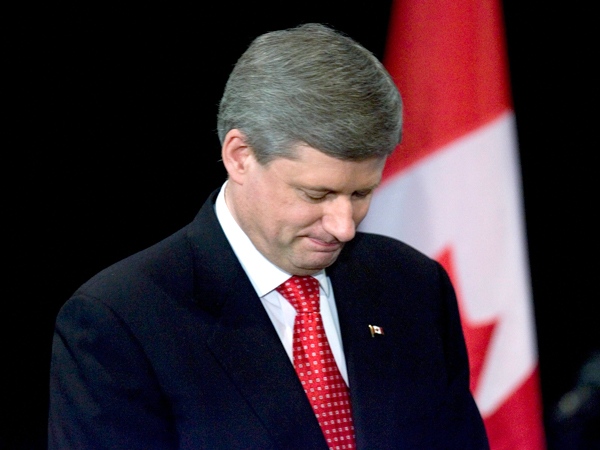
x: 315, y: 266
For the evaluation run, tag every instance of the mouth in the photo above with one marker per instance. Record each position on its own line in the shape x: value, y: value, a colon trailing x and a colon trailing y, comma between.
x: 321, y: 245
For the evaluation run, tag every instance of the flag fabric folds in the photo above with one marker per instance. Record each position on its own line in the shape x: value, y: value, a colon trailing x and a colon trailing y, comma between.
x: 453, y: 190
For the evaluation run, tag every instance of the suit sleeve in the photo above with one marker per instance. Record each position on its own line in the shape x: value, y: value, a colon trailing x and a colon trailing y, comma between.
x: 463, y: 419
x: 103, y: 392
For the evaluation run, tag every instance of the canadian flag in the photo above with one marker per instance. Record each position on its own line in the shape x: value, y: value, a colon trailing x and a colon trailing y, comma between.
x: 453, y: 190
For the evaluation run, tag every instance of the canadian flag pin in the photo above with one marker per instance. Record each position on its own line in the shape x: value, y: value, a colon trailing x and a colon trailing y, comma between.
x: 374, y: 329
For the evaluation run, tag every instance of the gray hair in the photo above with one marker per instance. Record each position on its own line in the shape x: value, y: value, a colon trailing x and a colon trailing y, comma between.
x: 311, y: 85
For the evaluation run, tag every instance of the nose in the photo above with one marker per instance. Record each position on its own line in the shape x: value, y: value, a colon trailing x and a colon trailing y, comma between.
x: 338, y: 219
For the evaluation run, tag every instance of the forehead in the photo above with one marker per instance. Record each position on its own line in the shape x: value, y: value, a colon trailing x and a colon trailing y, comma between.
x: 311, y: 168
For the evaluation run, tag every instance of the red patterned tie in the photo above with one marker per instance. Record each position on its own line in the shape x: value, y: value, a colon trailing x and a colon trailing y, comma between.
x: 315, y: 364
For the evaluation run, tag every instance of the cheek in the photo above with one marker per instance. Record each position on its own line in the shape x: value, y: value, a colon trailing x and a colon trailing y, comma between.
x: 360, y: 211
x: 296, y: 217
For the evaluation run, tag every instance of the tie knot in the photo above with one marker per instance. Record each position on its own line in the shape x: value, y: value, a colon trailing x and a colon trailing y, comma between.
x: 302, y: 293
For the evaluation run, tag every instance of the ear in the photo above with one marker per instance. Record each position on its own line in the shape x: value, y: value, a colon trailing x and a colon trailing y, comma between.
x: 236, y: 154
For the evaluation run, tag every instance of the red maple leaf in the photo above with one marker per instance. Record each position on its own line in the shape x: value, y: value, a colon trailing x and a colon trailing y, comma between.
x: 477, y: 334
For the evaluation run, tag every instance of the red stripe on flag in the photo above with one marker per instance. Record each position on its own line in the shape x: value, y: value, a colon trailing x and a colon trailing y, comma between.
x: 521, y: 414
x: 448, y: 58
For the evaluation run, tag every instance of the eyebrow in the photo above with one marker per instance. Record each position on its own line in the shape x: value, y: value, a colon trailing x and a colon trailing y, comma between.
x: 327, y: 189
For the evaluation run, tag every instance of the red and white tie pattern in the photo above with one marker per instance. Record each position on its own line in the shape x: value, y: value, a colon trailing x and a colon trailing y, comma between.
x: 316, y: 366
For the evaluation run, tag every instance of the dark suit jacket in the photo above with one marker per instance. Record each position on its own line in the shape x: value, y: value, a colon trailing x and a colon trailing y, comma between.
x: 172, y: 348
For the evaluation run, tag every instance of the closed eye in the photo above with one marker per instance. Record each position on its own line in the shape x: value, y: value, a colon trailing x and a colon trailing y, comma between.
x: 316, y: 197
x: 362, y: 194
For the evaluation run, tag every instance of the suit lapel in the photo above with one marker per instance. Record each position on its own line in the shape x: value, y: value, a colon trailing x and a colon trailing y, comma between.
x: 245, y: 341
x: 250, y: 350
x: 372, y: 377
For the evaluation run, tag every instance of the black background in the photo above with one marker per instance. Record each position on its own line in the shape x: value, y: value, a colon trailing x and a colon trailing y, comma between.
x: 111, y: 145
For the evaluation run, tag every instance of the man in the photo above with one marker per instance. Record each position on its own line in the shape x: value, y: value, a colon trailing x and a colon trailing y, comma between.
x: 192, y: 342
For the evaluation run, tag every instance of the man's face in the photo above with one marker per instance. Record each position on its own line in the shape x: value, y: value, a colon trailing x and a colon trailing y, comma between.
x: 299, y: 213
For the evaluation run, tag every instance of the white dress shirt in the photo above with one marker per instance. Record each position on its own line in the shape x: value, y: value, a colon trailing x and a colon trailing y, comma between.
x: 265, y: 277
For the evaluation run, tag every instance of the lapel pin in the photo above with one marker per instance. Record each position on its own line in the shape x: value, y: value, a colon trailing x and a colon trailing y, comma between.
x: 374, y: 329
